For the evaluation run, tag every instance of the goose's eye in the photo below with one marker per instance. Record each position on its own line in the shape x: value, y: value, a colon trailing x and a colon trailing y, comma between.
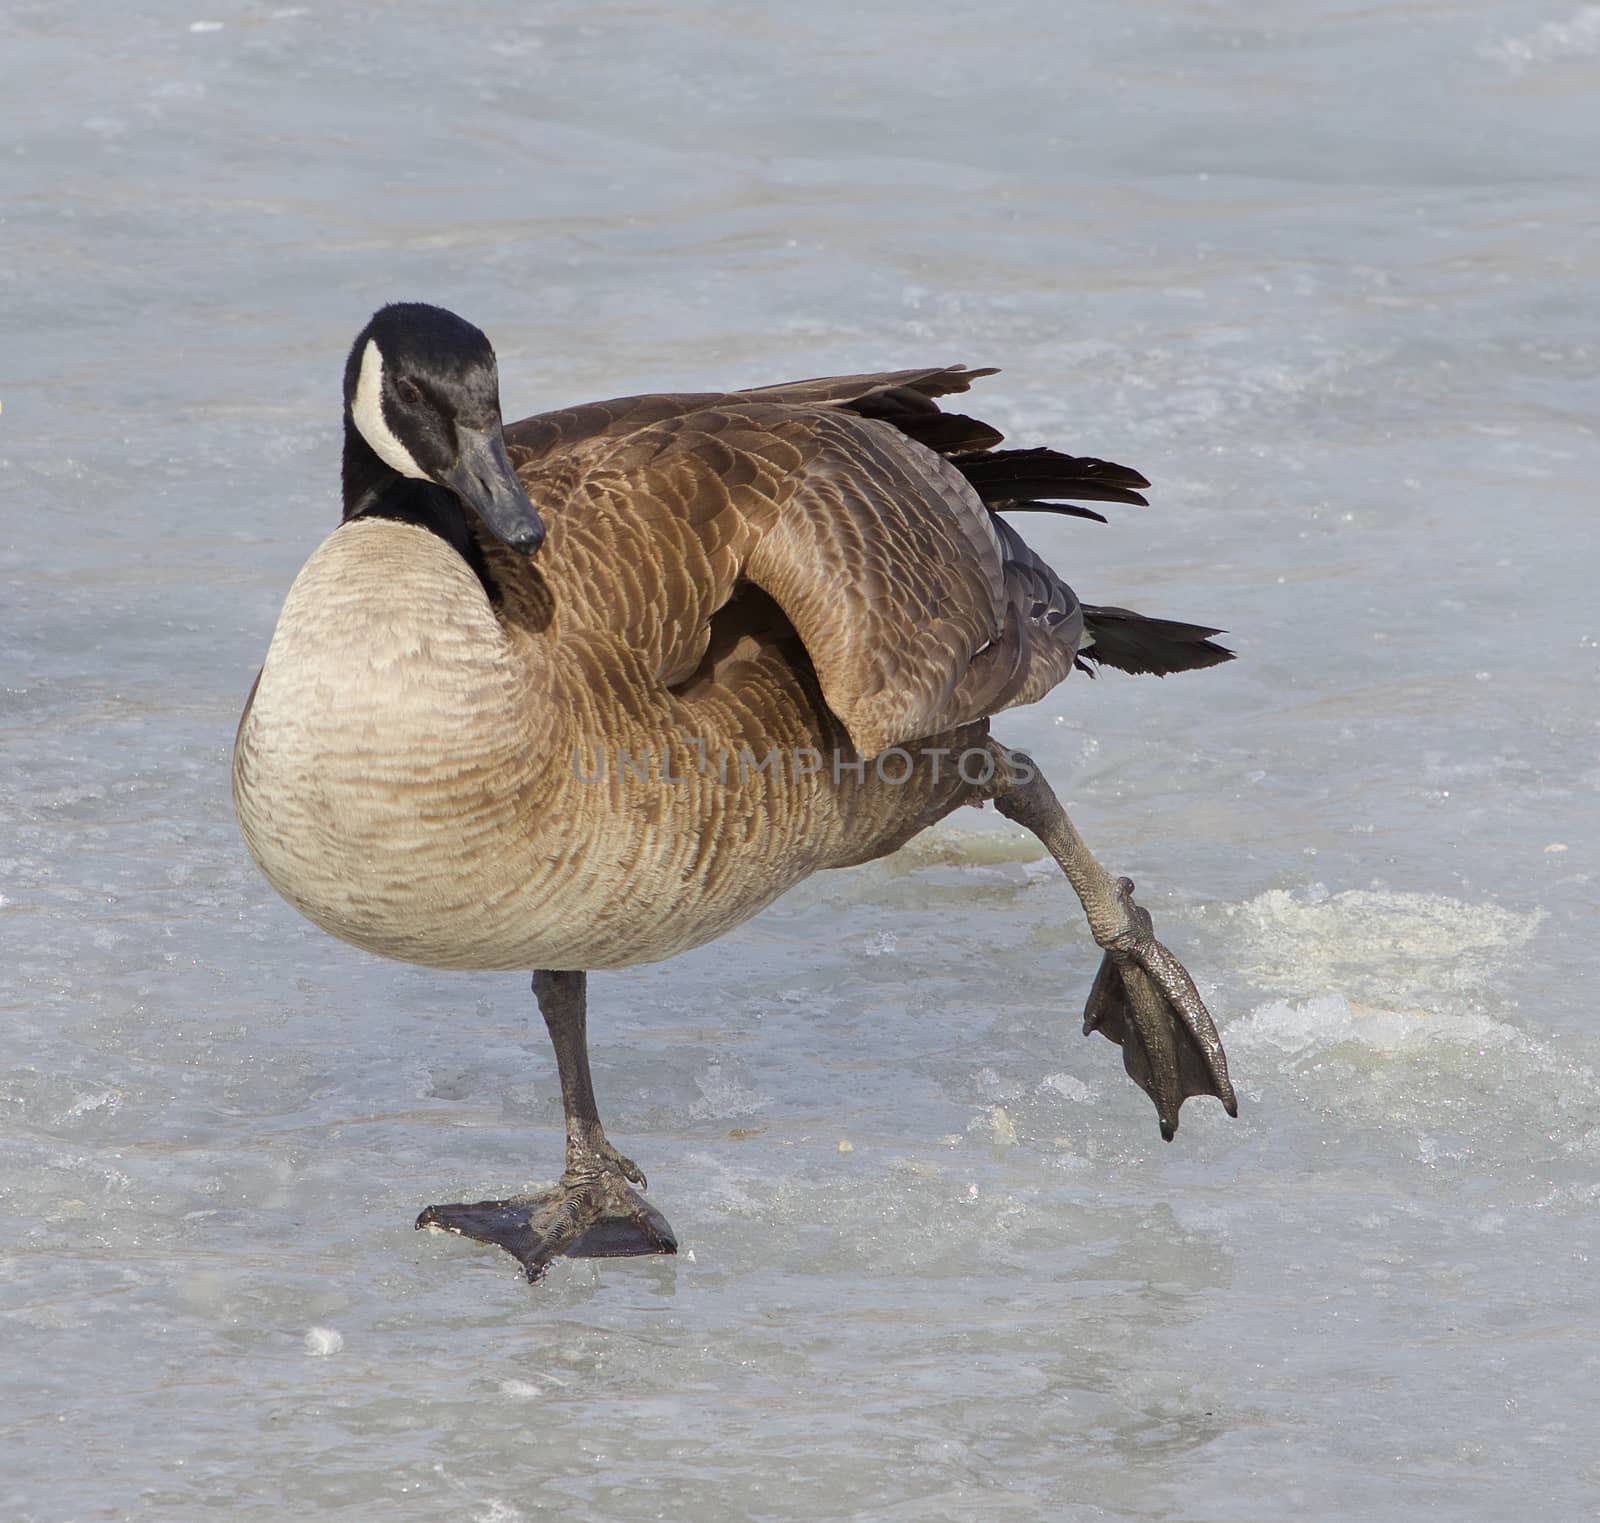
x: 406, y: 389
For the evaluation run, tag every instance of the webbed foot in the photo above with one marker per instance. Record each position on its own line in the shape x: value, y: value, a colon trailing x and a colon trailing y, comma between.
x: 1144, y: 1000
x: 594, y: 1214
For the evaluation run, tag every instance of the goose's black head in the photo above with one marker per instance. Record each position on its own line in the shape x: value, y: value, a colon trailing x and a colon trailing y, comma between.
x: 423, y: 438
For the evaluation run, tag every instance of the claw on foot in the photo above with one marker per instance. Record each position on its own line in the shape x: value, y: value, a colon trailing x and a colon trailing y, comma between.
x: 586, y: 1216
x: 606, y: 1157
x: 1144, y: 1000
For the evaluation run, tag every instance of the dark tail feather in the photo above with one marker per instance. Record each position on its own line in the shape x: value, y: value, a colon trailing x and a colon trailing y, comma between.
x: 1015, y: 475
x: 1132, y: 642
x: 949, y: 433
x: 1069, y: 509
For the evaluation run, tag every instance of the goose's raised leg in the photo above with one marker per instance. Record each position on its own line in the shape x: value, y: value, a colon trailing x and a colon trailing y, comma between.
x: 1143, y: 997
x: 593, y: 1212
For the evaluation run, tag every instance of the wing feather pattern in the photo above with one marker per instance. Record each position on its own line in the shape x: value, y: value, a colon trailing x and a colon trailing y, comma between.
x: 863, y: 510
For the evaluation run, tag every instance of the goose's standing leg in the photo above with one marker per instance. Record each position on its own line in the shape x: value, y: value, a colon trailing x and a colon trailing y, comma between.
x: 1143, y: 997
x: 593, y: 1212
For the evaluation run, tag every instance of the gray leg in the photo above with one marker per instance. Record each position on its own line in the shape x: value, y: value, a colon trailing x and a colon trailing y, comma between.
x: 592, y: 1212
x: 1142, y: 998
x: 564, y: 1004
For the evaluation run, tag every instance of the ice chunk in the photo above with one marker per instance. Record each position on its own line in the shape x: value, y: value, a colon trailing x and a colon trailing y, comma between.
x: 1376, y: 946
x: 323, y: 1341
x: 1068, y: 1086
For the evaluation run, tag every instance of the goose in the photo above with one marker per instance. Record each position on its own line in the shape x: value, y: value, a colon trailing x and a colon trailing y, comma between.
x: 588, y: 690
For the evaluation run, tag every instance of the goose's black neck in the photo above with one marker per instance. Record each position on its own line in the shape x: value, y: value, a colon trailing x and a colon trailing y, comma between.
x: 374, y: 489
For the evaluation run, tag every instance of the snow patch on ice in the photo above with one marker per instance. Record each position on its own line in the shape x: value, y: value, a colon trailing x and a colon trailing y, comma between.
x: 1069, y: 1087
x: 1576, y: 37
x: 880, y: 944
x: 496, y: 1511
x: 1383, y: 948
x: 1316, y: 1025
x: 1432, y: 1073
x: 723, y: 1095
x: 323, y: 1341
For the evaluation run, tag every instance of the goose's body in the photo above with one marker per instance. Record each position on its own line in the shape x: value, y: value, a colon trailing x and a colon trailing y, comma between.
x: 722, y: 642
x: 468, y: 794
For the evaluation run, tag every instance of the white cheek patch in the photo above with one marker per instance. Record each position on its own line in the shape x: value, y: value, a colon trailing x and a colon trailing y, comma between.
x: 366, y: 412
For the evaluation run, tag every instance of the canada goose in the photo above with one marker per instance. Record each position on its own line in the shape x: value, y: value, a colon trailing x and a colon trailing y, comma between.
x: 592, y: 689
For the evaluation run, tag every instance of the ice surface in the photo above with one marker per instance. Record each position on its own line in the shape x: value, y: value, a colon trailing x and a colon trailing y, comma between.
x: 1325, y: 274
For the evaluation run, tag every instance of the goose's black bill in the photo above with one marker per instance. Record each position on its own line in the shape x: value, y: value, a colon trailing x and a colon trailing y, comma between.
x: 483, y: 478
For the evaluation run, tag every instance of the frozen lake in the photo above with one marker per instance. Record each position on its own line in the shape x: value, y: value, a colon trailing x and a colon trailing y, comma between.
x: 1327, y: 274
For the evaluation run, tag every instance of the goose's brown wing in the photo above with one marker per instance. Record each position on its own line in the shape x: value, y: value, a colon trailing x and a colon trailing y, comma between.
x: 905, y: 398
x: 893, y: 574
x: 885, y: 560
